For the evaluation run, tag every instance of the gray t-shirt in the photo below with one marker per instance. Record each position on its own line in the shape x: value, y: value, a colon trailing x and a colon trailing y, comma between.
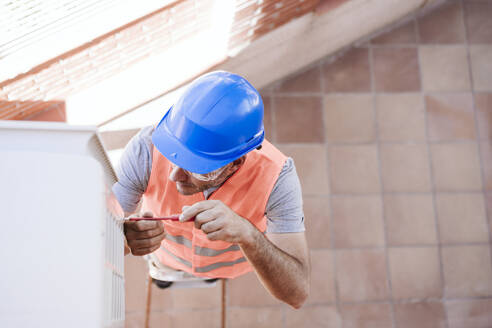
x: 283, y: 210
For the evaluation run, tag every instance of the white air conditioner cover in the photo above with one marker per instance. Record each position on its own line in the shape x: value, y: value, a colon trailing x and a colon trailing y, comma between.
x: 61, y: 247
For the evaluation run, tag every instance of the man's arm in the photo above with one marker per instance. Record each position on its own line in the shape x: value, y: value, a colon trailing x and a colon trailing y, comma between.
x: 133, y: 171
x: 281, y: 261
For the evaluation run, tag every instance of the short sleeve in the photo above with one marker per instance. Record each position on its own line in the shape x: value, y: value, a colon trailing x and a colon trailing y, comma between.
x: 284, y: 207
x: 134, y: 169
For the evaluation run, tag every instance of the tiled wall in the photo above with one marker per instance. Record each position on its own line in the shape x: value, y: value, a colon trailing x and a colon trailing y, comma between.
x: 392, y: 143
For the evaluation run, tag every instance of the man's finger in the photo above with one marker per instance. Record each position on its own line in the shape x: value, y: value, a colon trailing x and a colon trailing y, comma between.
x: 212, y: 226
x: 146, y: 243
x: 216, y: 235
x: 132, y: 234
x: 145, y: 251
x: 142, y: 225
x: 195, y: 209
x: 204, y: 217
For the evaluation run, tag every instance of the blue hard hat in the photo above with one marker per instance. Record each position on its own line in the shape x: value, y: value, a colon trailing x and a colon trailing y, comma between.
x: 218, y: 119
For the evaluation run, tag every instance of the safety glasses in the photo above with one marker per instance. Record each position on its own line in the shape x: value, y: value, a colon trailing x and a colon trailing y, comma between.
x: 202, y: 177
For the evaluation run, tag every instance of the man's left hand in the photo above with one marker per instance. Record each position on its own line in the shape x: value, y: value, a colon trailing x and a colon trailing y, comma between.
x: 218, y: 221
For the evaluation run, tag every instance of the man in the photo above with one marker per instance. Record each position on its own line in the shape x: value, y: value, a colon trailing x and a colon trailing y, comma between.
x: 238, y: 197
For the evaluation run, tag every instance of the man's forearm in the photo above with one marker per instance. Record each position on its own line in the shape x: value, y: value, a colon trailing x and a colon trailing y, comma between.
x: 286, y: 277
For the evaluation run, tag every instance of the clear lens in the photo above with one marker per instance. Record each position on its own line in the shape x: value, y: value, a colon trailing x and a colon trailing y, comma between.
x: 206, y: 176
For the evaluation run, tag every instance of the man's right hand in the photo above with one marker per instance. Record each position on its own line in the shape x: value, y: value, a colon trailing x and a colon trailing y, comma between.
x: 144, y: 237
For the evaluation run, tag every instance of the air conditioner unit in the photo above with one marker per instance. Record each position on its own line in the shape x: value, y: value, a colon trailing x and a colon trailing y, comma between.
x: 61, y: 239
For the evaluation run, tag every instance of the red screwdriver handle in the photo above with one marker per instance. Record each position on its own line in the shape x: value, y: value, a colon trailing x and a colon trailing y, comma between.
x: 174, y: 217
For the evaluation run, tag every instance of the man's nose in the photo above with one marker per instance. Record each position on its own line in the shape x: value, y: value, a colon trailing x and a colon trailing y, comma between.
x: 178, y: 175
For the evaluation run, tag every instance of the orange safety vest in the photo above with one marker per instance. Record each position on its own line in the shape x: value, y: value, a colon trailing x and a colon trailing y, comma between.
x: 246, y: 192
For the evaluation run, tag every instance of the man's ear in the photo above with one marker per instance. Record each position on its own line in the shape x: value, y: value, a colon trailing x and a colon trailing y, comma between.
x: 238, y: 163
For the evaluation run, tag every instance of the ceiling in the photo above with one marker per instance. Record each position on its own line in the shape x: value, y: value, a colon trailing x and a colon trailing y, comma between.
x: 107, y: 58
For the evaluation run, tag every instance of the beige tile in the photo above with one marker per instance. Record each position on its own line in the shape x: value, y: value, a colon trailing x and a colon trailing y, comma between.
x: 161, y: 299
x: 444, y: 25
x: 298, y: 119
x: 247, y: 290
x: 313, y: 317
x: 361, y: 275
x: 197, y: 298
x: 462, y: 218
x: 322, y: 277
x: 415, y: 272
x: 396, y: 69
x: 450, y: 117
x: 349, y: 118
x: 401, y: 117
x: 354, y: 169
x: 444, y: 68
x: 456, y: 167
x: 420, y: 315
x: 306, y: 81
x: 486, y: 155
x: 317, y: 221
x: 481, y: 67
x: 405, y: 167
x: 349, y: 73
x: 134, y: 319
x: 160, y: 319
x: 400, y: 35
x: 478, y: 22
x: 357, y: 221
x: 488, y: 203
x: 195, y: 318
x: 267, y: 117
x: 467, y: 271
x: 253, y: 317
x: 483, y: 103
x: 366, y: 315
x: 136, y: 277
x: 311, y: 166
x: 469, y: 314
x: 410, y: 219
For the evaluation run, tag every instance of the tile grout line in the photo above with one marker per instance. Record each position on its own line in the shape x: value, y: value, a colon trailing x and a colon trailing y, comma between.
x: 323, y: 304
x: 432, y: 178
x: 273, y: 115
x: 330, y: 208
x: 396, y: 193
x: 367, y: 93
x: 399, y: 301
x: 273, y: 119
x: 381, y: 186
x: 270, y: 93
x: 477, y: 131
x: 406, y: 142
x: 447, y: 245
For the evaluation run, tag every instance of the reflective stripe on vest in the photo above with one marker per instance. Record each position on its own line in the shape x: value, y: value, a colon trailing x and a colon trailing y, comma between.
x: 206, y: 268
x: 203, y: 251
x: 179, y: 240
x: 219, y: 265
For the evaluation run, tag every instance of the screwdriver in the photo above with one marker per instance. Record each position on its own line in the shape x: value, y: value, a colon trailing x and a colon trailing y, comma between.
x: 174, y: 217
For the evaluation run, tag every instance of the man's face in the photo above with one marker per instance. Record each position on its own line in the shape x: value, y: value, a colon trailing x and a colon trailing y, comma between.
x: 187, y: 184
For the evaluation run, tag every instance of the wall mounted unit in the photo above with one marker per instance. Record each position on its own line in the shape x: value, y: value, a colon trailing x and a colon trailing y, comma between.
x: 61, y: 241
